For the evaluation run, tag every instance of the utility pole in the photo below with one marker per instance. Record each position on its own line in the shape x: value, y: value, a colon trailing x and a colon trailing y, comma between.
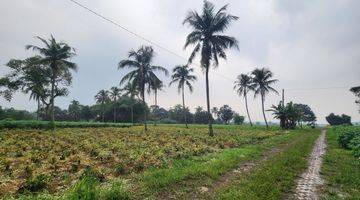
x: 283, y: 98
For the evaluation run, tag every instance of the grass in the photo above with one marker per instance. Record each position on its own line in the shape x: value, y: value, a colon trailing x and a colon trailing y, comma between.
x: 341, y: 170
x: 276, y: 177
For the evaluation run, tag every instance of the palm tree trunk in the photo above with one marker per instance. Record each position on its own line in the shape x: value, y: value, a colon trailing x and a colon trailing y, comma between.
x: 114, y: 110
x: 102, y: 111
x: 38, y: 109
x: 184, y: 108
x: 155, y: 106
x: 145, y: 113
x: 247, y: 109
x: 263, y: 110
x: 52, y: 100
x: 211, y: 133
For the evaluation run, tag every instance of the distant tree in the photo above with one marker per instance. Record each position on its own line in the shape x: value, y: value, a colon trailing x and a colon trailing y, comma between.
x: 115, y: 94
x: 238, y: 119
x: 183, y: 76
x: 74, y: 110
x: 225, y: 114
x: 208, y: 40
x: 176, y: 113
x: 12, y: 114
x: 56, y: 55
x: 102, y: 97
x: 132, y: 92
x: 262, y: 81
x: 158, y: 113
x: 143, y: 73
x: 356, y: 91
x: 289, y: 115
x: 29, y: 76
x: 156, y: 85
x: 86, y: 113
x: 243, y: 85
x: 306, y: 115
x: 334, y: 120
x: 200, y: 116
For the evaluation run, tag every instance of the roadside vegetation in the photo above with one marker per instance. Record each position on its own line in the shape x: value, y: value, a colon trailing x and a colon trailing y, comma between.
x: 341, y: 168
x: 275, y: 178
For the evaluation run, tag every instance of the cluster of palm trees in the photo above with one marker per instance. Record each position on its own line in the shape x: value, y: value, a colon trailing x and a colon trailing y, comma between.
x: 209, y: 43
x: 258, y: 81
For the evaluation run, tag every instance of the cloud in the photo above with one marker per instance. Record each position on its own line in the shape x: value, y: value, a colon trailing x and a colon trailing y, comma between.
x: 307, y: 44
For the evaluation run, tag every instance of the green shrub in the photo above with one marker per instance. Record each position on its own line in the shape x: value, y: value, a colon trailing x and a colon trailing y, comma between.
x: 120, y: 170
x: 349, y: 138
x: 34, y: 184
x: 345, y: 138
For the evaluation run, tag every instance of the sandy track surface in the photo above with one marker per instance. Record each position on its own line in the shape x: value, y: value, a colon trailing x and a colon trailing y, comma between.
x: 310, y: 180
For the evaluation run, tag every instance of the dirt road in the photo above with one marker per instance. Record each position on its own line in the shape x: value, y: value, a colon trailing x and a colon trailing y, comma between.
x: 310, y: 180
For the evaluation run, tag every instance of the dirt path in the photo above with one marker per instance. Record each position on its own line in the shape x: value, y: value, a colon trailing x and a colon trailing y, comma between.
x: 310, y: 180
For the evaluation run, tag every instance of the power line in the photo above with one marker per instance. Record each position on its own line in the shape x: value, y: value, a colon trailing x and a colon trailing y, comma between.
x: 138, y: 35
x: 174, y: 53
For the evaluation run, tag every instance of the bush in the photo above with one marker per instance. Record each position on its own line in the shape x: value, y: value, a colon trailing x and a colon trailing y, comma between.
x: 120, y: 170
x: 34, y: 184
x: 349, y: 138
x: 345, y: 138
x: 333, y: 119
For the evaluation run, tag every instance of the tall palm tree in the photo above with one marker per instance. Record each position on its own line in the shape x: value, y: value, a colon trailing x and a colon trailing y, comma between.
x: 143, y: 72
x: 56, y: 55
x: 102, y: 97
x: 182, y: 75
x: 262, y: 81
x: 115, y: 93
x: 209, y: 41
x: 243, y: 85
x: 156, y: 86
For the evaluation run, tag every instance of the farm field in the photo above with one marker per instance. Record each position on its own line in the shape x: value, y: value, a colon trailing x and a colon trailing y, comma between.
x: 128, y: 160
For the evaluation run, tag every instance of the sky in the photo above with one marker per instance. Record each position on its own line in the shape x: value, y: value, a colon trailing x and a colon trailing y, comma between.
x: 312, y: 47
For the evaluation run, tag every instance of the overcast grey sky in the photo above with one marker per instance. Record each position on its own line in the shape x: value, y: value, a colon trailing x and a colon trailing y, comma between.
x: 307, y: 44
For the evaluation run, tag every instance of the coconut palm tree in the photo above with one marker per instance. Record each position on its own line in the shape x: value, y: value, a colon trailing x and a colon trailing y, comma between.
x: 143, y: 72
x: 243, y: 85
x: 209, y: 41
x: 115, y: 93
x: 156, y: 86
x: 182, y: 74
x: 262, y: 81
x: 102, y: 97
x: 56, y: 55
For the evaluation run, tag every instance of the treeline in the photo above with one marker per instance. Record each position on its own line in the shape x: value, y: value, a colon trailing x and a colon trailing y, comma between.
x: 128, y: 110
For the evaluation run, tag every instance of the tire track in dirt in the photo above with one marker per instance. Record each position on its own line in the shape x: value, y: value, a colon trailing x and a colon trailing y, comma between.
x: 310, y: 180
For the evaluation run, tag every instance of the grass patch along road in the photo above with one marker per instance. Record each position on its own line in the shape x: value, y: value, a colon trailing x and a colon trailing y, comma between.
x: 275, y: 178
x: 341, y: 170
